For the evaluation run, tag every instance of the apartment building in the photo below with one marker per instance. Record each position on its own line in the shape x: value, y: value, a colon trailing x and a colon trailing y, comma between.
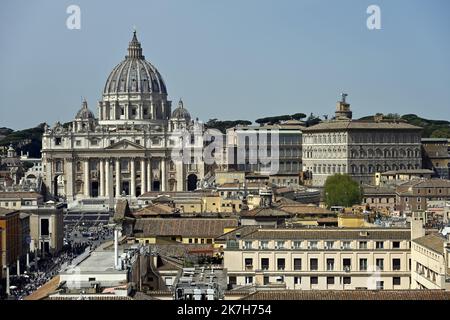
x: 430, y: 262
x: 318, y: 258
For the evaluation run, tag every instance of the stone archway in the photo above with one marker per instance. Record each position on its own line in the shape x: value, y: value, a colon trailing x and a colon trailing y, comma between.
x: 192, y: 182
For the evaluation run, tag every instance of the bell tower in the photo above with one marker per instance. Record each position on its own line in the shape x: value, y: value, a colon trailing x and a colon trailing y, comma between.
x: 343, y: 108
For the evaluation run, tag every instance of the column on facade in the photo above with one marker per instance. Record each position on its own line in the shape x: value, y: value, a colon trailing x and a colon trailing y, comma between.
x: 133, y: 177
x: 102, y: 177
x: 149, y: 174
x: 179, y: 166
x: 143, y: 176
x: 118, y: 182
x: 87, y: 183
x: 107, y: 173
x: 163, y: 175
x: 68, y: 175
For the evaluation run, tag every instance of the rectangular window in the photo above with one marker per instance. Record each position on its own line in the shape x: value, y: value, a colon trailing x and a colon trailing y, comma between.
x: 248, y: 244
x: 248, y: 263
x: 57, y: 141
x: 347, y: 264
x: 330, y: 264
x: 380, y: 285
x: 347, y: 280
x: 396, y: 264
x: 265, y: 263
x: 363, y: 264
x: 313, y: 264
x: 330, y: 280
x: 45, y: 227
x: 396, y: 244
x: 329, y: 245
x: 396, y: 281
x: 297, y: 244
x: 312, y: 245
x: 346, y: 245
x: 363, y: 244
x: 379, y: 245
x: 379, y: 264
x: 314, y: 280
x: 297, y: 280
x: 248, y: 280
x: 78, y: 143
x: 281, y: 264
x: 297, y: 264
x: 264, y: 244
x: 280, y: 245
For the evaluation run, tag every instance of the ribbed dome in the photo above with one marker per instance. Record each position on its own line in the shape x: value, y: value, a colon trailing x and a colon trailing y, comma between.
x: 84, y: 113
x: 180, y: 112
x: 135, y: 74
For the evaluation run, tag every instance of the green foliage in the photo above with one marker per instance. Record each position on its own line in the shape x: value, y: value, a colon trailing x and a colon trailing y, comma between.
x: 224, y: 125
x: 312, y: 120
x: 28, y: 140
x: 431, y: 128
x: 276, y: 119
x: 341, y: 190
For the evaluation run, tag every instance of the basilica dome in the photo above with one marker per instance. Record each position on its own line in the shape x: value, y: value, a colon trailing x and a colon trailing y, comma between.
x: 135, y: 74
x: 180, y: 112
x: 84, y: 113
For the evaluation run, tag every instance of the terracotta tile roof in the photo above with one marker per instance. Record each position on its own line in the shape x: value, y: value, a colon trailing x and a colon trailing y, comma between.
x: 186, y: 227
x: 264, y: 212
x: 122, y: 210
x: 349, y: 295
x: 46, y: 289
x: 305, y: 209
x: 432, y: 241
x: 19, y: 195
x: 361, y: 124
x: 4, y: 211
x: 318, y: 233
x: 154, y: 209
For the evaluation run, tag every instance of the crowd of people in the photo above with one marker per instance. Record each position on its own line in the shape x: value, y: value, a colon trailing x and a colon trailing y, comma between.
x: 77, y: 241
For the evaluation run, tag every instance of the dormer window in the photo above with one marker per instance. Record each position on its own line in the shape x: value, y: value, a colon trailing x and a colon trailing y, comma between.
x: 58, y: 141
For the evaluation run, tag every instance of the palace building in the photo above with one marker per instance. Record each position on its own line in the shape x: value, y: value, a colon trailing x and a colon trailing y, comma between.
x: 360, y: 148
x: 127, y: 149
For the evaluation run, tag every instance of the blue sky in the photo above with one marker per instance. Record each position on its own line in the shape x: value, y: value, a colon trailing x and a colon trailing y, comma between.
x: 234, y: 59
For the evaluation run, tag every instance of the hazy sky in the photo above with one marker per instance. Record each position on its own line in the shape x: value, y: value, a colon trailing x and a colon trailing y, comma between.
x: 234, y: 59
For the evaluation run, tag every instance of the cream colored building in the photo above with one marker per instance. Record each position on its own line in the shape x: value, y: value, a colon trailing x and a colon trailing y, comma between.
x: 127, y: 149
x: 430, y: 262
x: 318, y: 258
x: 359, y: 148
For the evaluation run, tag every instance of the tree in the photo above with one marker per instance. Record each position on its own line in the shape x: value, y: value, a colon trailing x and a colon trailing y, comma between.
x: 341, y: 190
x: 224, y: 125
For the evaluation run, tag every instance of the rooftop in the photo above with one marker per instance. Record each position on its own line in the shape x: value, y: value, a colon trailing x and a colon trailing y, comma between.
x: 186, y: 227
x: 349, y: 295
x: 361, y: 125
x: 319, y: 233
x: 433, y: 241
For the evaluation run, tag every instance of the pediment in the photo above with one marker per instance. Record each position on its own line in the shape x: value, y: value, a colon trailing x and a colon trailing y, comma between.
x: 125, y: 145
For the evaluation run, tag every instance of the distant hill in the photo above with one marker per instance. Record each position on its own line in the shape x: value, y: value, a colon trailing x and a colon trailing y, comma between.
x: 27, y: 140
x: 431, y: 128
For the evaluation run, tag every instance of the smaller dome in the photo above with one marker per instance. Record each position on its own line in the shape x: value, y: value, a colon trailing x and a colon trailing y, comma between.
x: 84, y: 113
x: 180, y: 112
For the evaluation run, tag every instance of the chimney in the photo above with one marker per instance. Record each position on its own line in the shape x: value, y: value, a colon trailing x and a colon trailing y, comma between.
x: 417, y: 229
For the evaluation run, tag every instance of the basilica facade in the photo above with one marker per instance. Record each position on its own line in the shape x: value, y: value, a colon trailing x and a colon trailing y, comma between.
x: 126, y: 149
